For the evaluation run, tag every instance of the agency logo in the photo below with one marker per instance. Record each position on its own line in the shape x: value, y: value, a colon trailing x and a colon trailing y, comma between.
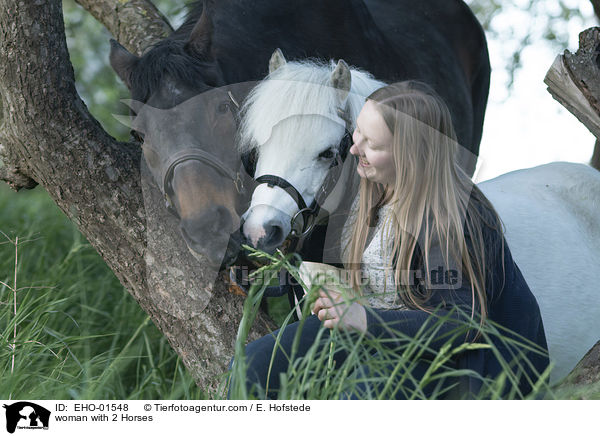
x: 26, y: 415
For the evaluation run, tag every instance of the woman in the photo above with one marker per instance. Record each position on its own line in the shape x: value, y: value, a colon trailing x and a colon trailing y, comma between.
x: 421, y: 245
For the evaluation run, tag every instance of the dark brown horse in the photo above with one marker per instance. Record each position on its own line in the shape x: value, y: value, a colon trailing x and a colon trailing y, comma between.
x: 230, y: 41
x: 183, y: 148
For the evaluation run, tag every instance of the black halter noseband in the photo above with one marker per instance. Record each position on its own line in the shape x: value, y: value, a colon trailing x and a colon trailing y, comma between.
x: 310, y: 213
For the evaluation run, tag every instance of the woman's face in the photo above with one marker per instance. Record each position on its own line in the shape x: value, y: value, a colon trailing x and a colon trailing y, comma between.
x: 373, y: 145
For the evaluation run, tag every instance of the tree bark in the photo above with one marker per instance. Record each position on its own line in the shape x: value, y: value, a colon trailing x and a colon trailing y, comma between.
x: 50, y: 137
x: 573, y: 82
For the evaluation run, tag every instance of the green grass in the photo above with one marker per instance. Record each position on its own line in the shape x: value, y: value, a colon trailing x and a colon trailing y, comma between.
x: 76, y: 333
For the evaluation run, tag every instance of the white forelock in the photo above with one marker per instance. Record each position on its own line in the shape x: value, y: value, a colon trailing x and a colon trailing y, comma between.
x: 300, y: 88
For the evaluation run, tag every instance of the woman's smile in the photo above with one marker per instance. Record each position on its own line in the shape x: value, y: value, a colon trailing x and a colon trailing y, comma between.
x: 372, y: 141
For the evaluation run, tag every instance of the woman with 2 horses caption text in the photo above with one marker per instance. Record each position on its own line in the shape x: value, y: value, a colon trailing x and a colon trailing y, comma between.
x: 424, y: 251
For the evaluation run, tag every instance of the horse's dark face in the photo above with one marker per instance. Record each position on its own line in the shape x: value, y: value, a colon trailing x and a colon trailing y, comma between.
x: 177, y: 113
x: 205, y: 198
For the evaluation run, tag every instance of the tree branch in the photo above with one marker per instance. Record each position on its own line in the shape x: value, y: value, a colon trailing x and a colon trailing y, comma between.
x: 125, y: 19
x: 573, y: 82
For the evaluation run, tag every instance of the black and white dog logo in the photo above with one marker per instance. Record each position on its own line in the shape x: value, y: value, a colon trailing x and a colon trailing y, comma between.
x: 26, y: 415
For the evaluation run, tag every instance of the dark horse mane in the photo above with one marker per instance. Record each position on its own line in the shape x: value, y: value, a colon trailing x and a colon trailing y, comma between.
x: 168, y: 58
x: 171, y: 57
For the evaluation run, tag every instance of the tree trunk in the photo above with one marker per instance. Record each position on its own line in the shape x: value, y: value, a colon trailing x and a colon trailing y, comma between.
x: 48, y: 137
x: 573, y: 82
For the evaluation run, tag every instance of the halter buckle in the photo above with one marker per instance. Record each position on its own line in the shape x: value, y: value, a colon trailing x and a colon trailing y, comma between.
x: 307, y: 230
x: 239, y: 184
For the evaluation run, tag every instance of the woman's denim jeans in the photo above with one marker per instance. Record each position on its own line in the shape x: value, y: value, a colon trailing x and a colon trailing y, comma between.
x: 259, y: 354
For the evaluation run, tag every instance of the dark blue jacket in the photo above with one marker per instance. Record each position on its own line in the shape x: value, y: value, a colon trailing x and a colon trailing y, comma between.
x: 510, y: 304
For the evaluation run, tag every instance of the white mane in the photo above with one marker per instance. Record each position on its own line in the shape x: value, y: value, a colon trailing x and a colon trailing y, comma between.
x: 300, y: 88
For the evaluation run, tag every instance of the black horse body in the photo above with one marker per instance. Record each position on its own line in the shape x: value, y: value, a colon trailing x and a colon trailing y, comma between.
x: 226, y: 42
x: 439, y: 42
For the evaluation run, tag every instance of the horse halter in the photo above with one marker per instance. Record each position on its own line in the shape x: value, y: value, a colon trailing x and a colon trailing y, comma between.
x: 310, y: 213
x: 197, y: 154
x: 191, y: 154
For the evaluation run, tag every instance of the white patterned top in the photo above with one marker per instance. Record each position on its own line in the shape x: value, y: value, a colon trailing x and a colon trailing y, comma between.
x: 379, y: 284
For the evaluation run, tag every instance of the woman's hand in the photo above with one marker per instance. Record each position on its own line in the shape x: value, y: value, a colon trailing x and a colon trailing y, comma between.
x: 333, y: 310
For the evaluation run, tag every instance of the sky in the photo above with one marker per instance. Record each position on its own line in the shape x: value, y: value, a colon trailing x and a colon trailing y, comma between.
x: 528, y: 127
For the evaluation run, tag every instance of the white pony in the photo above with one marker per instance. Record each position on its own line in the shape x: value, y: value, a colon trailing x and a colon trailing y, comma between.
x: 551, y: 213
x: 294, y: 120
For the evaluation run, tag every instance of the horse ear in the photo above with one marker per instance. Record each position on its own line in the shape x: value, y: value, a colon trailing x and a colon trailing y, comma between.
x: 201, y: 36
x: 134, y: 105
x: 122, y: 61
x: 277, y: 60
x: 341, y: 79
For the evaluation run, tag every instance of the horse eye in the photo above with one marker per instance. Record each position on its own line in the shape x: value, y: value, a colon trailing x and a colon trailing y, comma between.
x: 327, y: 154
x: 223, y: 107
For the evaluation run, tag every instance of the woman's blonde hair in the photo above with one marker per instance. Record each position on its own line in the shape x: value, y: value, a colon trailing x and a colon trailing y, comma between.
x: 429, y: 200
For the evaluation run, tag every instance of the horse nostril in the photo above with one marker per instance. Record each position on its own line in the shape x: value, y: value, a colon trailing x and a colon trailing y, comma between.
x: 274, y: 234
